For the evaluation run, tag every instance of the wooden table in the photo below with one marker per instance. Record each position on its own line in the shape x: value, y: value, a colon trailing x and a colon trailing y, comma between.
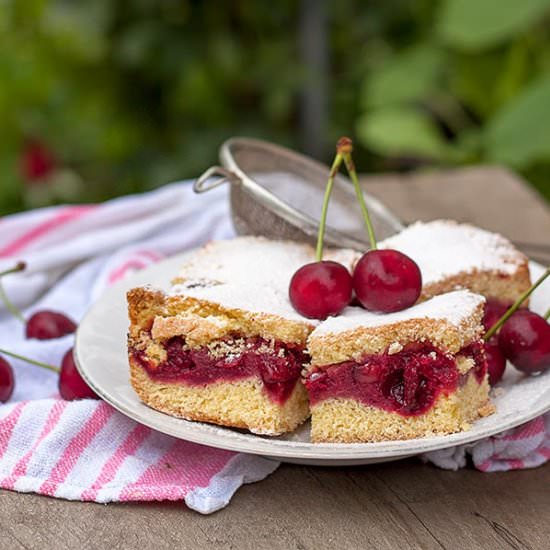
x: 395, y: 505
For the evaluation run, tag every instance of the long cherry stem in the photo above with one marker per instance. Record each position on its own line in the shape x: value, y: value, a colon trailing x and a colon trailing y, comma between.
x: 547, y: 315
x: 27, y: 360
x: 322, y: 223
x: 512, y: 309
x: 346, y: 147
x: 10, y: 306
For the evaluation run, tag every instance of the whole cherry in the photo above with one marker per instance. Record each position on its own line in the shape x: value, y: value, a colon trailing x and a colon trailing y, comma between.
x: 494, y: 310
x: 47, y: 325
x: 71, y: 384
x: 42, y: 325
x: 7, y: 381
x: 525, y: 341
x: 386, y: 281
x: 524, y: 337
x: 496, y: 362
x: 322, y: 288
x: 37, y: 161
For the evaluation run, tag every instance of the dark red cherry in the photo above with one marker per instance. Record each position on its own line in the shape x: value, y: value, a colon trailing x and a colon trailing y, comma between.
x: 46, y: 325
x: 71, y: 384
x: 7, y: 381
x: 525, y: 341
x: 387, y: 281
x: 496, y: 362
x: 320, y: 289
x: 37, y: 161
x: 494, y: 310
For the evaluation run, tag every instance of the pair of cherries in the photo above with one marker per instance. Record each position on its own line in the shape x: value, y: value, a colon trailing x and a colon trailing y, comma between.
x: 518, y: 335
x: 387, y: 281
x: 45, y: 325
x: 383, y: 280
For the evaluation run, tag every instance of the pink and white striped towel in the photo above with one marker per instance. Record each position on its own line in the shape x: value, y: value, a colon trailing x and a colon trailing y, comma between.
x: 87, y: 451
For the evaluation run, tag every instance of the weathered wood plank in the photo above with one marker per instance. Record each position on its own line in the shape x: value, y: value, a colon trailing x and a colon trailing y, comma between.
x: 491, y: 197
x: 395, y: 505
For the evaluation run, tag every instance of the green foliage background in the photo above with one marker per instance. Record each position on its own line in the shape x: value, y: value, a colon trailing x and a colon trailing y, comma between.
x: 131, y: 94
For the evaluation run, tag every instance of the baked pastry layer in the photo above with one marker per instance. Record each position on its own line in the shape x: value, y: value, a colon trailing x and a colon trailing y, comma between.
x: 453, y: 255
x: 450, y: 322
x: 240, y: 404
x: 413, y: 373
x: 350, y: 421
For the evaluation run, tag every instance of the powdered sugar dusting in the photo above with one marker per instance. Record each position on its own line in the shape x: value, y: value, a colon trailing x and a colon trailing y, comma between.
x: 453, y: 307
x: 250, y: 274
x: 443, y: 248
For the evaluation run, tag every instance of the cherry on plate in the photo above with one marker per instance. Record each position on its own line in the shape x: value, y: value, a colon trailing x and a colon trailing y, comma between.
x: 525, y: 341
x: 386, y: 281
x: 320, y: 289
x: 494, y: 310
x: 496, y: 362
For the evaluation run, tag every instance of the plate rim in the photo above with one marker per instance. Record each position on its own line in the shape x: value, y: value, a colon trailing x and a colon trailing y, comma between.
x: 227, y: 438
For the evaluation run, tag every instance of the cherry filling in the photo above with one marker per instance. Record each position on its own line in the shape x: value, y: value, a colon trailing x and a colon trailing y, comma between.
x: 408, y: 382
x: 475, y: 351
x: 278, y: 365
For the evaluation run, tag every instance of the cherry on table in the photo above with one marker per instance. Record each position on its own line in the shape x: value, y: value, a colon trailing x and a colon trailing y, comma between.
x: 525, y: 341
x: 320, y: 289
x: 7, y: 381
x: 387, y: 281
x: 496, y: 362
x: 71, y: 384
x: 47, y: 325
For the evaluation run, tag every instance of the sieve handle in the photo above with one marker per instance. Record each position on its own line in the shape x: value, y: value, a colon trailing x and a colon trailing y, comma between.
x: 206, y: 182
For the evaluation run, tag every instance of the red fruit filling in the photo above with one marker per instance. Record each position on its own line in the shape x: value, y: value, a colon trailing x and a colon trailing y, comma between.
x: 278, y: 365
x: 408, y: 382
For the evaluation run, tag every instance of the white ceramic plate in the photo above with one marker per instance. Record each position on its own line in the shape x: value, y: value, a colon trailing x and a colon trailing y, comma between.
x: 100, y: 353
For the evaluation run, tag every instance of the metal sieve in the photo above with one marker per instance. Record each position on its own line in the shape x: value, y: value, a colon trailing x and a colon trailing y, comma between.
x: 278, y: 193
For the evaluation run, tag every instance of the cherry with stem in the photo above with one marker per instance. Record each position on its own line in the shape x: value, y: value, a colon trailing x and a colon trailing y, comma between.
x: 10, y: 306
x: 322, y: 288
x: 383, y: 280
x: 29, y: 360
x: 42, y: 325
x: 524, y: 338
x: 326, y: 199
x: 516, y: 305
x: 71, y: 385
x: 347, y: 148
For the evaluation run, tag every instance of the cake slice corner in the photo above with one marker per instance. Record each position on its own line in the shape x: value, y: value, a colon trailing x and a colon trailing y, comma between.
x: 416, y: 373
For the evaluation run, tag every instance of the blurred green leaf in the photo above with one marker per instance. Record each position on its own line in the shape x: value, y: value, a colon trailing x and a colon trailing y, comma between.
x: 520, y: 133
x: 129, y: 95
x: 409, y: 75
x: 475, y: 24
x: 393, y: 131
